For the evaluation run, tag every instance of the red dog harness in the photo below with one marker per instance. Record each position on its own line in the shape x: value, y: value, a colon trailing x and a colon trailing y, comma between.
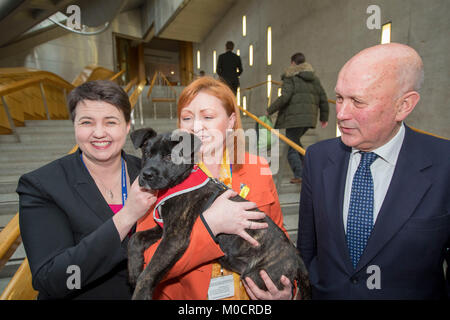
x: 196, y: 180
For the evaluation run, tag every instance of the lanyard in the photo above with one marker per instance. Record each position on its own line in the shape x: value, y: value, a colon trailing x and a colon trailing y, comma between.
x: 124, y: 183
x: 123, y: 178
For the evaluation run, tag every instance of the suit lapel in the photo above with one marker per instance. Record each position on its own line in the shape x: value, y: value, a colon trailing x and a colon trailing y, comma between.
x: 88, y: 191
x: 407, y: 188
x: 333, y: 179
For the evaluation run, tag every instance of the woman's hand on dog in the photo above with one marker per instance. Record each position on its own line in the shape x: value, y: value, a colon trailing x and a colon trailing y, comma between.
x: 232, y: 217
x: 272, y: 292
x: 138, y: 203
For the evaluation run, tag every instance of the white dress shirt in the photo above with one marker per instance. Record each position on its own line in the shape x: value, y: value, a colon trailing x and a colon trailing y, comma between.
x: 382, y: 171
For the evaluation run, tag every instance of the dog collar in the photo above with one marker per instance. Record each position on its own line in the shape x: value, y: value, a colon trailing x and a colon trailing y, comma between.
x: 194, y: 181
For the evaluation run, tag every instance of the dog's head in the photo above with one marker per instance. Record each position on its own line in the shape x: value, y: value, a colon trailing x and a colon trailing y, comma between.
x: 167, y: 159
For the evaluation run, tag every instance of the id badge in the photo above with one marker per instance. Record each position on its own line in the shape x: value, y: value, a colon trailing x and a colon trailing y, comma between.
x: 221, y: 287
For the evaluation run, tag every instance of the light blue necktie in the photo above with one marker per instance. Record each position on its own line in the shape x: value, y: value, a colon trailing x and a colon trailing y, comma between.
x: 360, y: 212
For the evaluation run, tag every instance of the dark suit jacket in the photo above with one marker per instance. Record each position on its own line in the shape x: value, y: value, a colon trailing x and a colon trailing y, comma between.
x: 229, y: 68
x: 64, y: 220
x: 409, y: 238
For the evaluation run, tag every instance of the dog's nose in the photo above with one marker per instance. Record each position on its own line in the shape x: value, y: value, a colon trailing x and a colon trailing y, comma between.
x: 147, y: 175
x: 149, y: 172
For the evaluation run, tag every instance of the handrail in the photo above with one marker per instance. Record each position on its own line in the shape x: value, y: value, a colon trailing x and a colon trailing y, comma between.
x: 117, y: 75
x: 261, y: 84
x: 152, y: 83
x: 275, y: 132
x: 428, y: 133
x: 21, y: 84
x: 168, y: 83
x: 130, y: 85
x: 136, y: 93
x: 9, y: 73
x: 44, y: 91
x: 92, y: 72
x: 49, y: 78
x: 161, y: 99
x: 9, y: 235
x: 20, y: 284
x: 29, y: 94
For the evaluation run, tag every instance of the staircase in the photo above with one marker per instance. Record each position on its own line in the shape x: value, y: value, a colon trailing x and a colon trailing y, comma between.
x: 42, y: 141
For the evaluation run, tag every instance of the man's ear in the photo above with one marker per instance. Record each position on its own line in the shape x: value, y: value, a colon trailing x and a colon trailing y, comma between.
x: 406, y: 104
x: 138, y: 137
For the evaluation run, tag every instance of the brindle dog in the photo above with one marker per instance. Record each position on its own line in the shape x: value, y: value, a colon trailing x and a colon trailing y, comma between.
x: 275, y: 254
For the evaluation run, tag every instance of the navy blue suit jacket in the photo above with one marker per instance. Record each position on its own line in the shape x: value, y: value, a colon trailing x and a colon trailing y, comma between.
x: 410, y: 237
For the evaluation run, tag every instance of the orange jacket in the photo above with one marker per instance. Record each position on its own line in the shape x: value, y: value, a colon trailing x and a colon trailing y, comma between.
x: 190, y: 276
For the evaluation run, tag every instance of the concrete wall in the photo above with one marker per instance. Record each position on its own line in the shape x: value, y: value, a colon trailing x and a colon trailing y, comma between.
x: 66, y: 54
x: 164, y: 11
x: 329, y: 32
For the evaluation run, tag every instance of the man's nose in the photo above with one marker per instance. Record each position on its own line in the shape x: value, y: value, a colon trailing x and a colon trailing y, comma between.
x: 343, y: 110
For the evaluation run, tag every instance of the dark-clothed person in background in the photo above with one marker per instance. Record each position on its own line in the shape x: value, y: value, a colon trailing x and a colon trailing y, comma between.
x: 76, y: 213
x: 374, y: 208
x: 229, y: 67
x: 302, y: 96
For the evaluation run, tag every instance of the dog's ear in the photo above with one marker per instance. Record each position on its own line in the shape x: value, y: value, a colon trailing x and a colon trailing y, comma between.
x: 138, y: 137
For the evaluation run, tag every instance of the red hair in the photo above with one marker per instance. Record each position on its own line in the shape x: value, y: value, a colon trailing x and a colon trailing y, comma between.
x: 222, y: 92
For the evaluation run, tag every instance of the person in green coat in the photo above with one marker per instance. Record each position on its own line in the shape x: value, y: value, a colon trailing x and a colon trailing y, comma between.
x: 302, y: 96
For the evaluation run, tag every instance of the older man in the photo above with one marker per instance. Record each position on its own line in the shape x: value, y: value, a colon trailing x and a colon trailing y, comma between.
x: 374, y: 210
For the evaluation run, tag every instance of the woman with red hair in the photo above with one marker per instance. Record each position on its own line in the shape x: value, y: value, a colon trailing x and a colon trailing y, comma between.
x: 207, y: 108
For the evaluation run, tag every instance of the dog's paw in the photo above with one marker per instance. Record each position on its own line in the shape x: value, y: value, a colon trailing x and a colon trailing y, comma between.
x: 135, y: 263
x: 142, y: 294
x: 133, y: 275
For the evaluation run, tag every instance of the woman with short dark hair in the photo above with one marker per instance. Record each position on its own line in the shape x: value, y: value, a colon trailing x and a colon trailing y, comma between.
x: 76, y: 213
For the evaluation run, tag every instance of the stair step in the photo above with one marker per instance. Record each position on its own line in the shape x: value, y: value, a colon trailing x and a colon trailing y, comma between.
x: 46, y: 129
x: 8, y: 139
x: 289, y: 209
x: 11, y: 168
x: 4, y: 282
x: 50, y: 138
x: 8, y: 210
x: 287, y: 187
x: 290, y: 221
x: 48, y: 123
x: 9, y: 213
x: 8, y: 184
x: 41, y: 155
x: 27, y: 147
x: 289, y: 198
